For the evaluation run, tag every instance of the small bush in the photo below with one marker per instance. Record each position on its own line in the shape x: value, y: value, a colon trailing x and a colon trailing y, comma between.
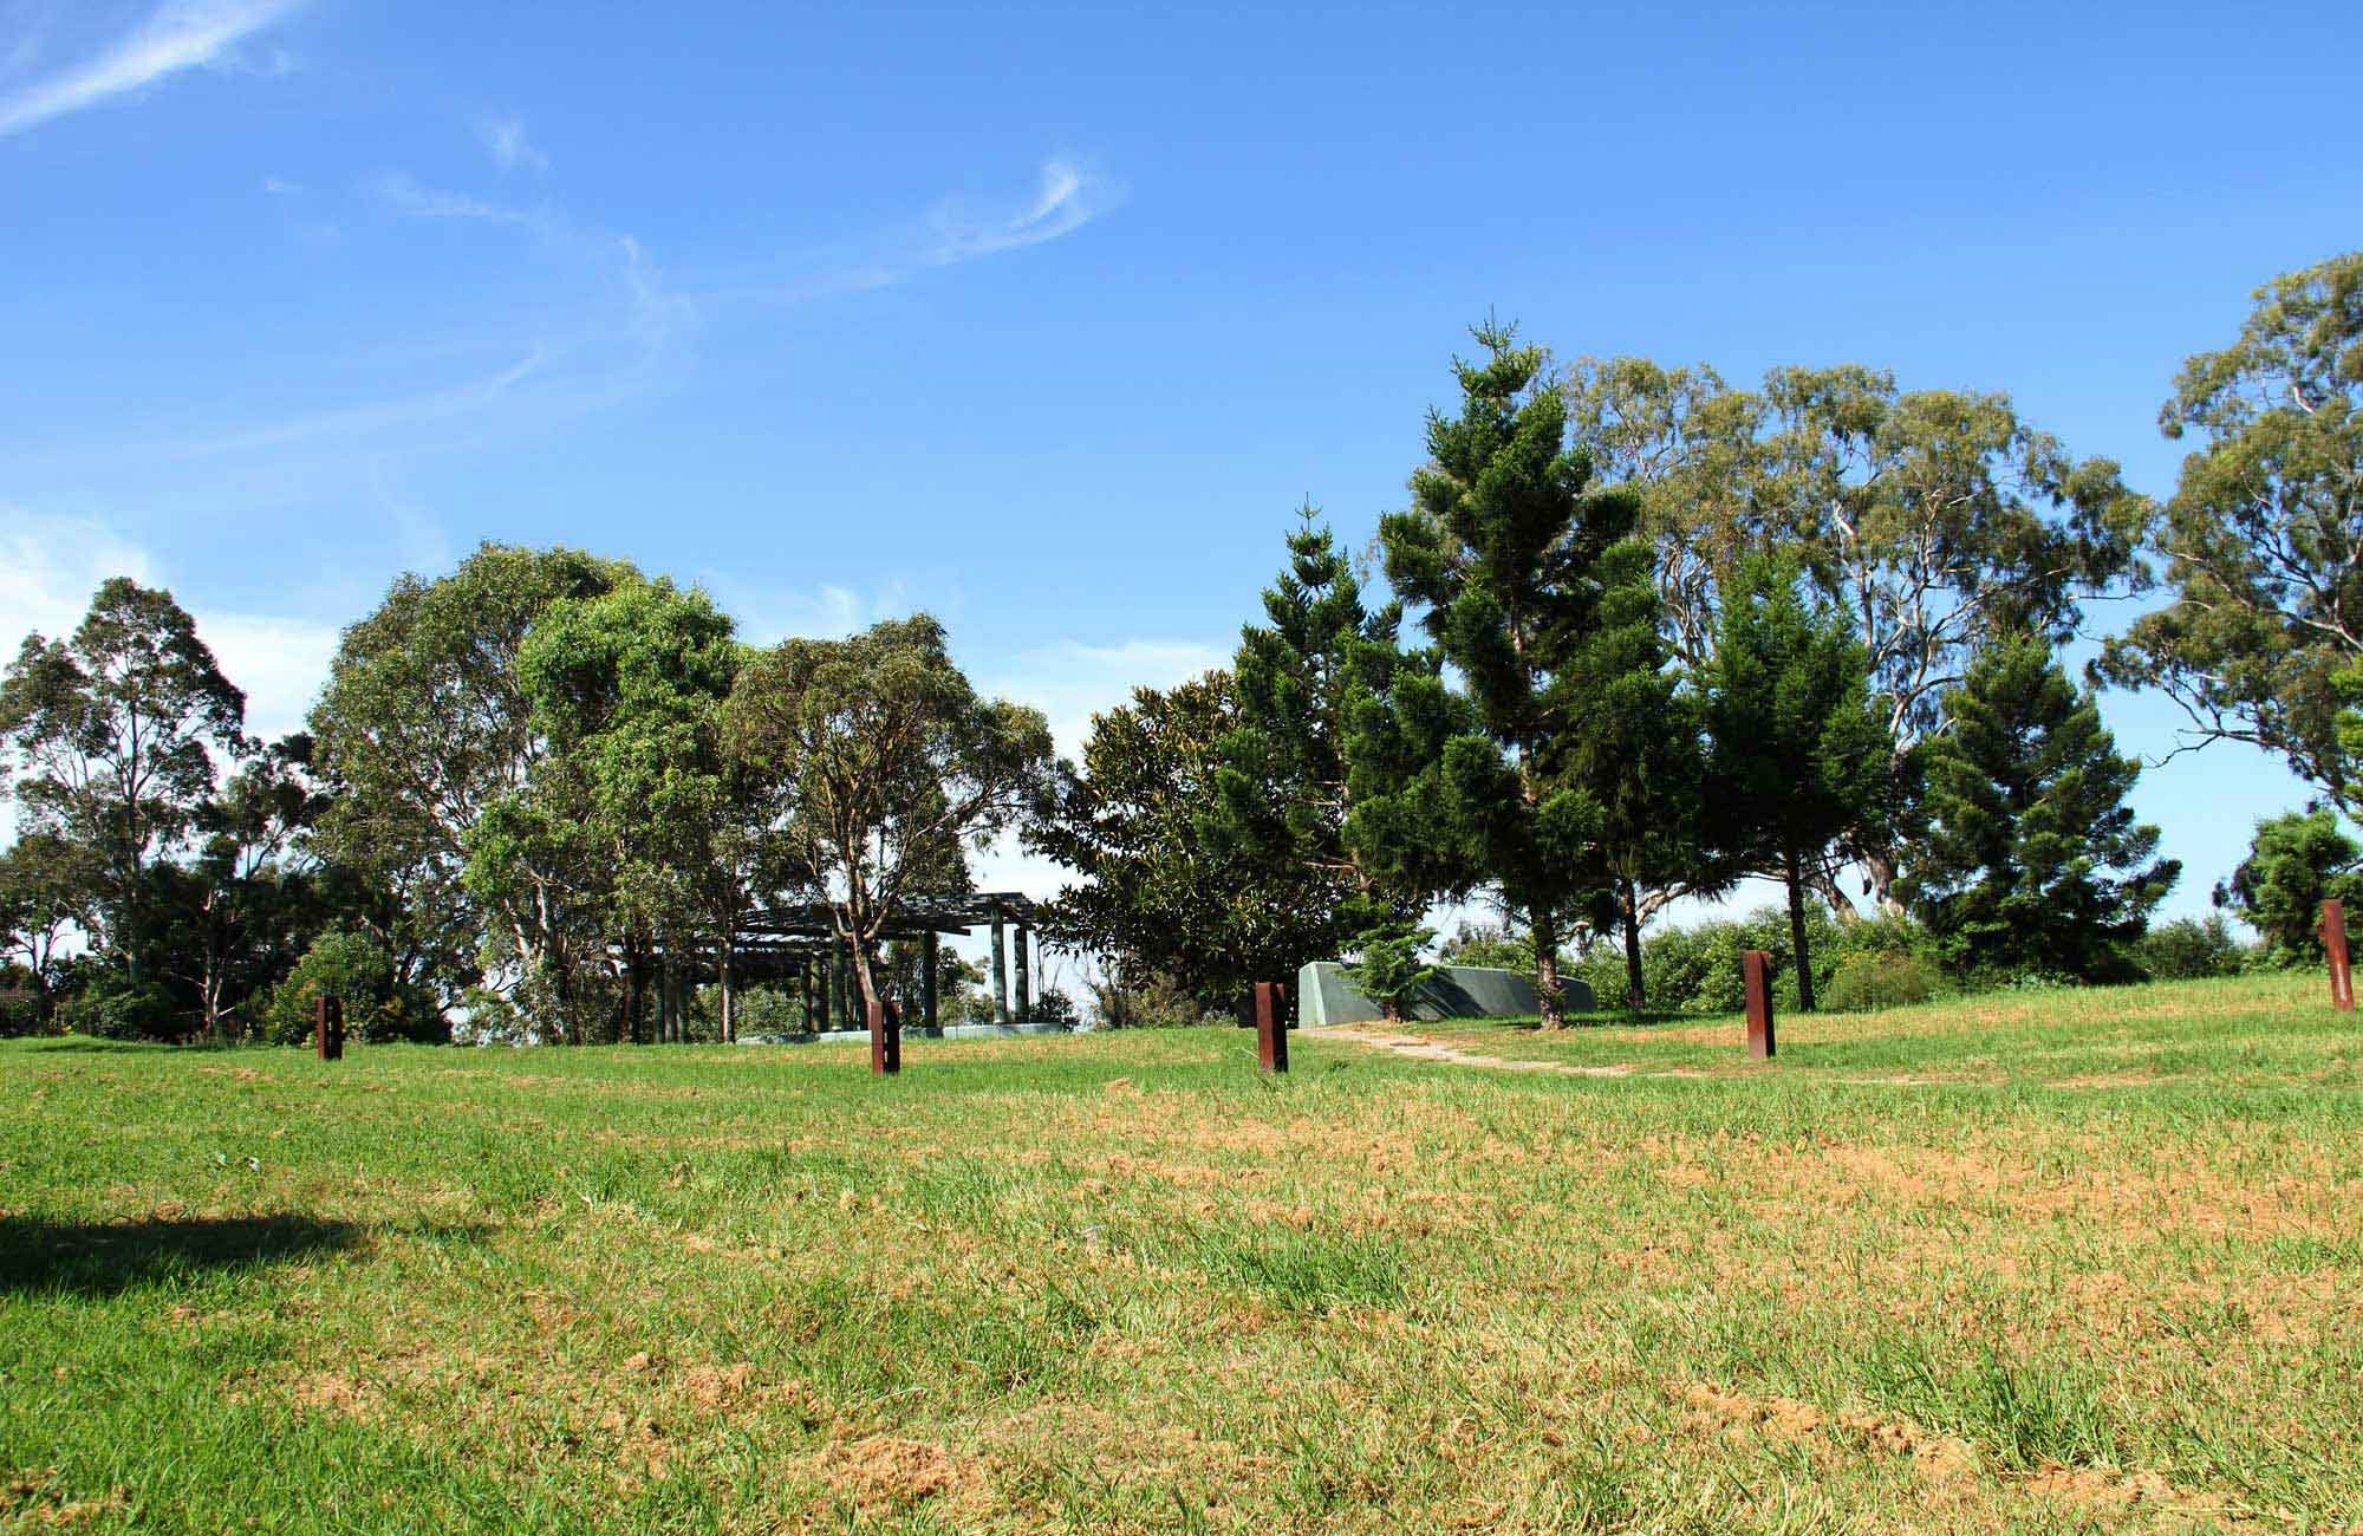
x: 1867, y: 982
x: 2190, y: 948
x: 1388, y: 968
x: 112, y: 1006
x: 356, y: 968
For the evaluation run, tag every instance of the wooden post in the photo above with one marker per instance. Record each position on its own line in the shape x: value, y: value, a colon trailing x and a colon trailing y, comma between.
x: 928, y: 1001
x: 1271, y: 1026
x: 328, y: 1027
x: 1025, y: 976
x: 2334, y: 940
x: 1756, y: 972
x: 886, y: 1038
x: 1000, y: 971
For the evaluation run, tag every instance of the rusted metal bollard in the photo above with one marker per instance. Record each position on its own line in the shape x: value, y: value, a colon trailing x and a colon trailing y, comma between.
x: 1271, y: 1026
x: 1755, y: 967
x: 886, y: 1038
x: 328, y: 1027
x: 2334, y: 940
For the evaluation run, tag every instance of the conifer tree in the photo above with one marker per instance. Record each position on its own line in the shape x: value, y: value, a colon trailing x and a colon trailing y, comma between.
x: 1283, y: 790
x: 1636, y: 746
x: 1524, y: 573
x: 1799, y: 754
x: 2033, y: 861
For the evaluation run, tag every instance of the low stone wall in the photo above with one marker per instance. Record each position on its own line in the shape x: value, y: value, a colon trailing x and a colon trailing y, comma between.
x: 1324, y: 996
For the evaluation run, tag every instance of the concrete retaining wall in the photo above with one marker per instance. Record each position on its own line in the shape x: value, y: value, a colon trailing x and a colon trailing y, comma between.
x: 1324, y: 996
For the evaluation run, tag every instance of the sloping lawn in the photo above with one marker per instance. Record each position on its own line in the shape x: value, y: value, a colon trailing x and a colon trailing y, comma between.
x: 2064, y: 1261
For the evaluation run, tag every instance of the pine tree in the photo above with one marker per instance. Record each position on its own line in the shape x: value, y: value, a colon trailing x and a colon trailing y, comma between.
x: 1799, y: 755
x: 1636, y: 746
x: 1523, y: 572
x: 1283, y: 790
x: 2033, y: 861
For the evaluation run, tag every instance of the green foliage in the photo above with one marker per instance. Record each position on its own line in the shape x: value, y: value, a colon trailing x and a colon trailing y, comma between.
x: 1388, y: 966
x: 2295, y: 863
x: 1799, y: 754
x: 2033, y: 861
x: 1166, y: 903
x: 1869, y: 980
x: 886, y: 764
x: 2262, y: 542
x: 1530, y: 584
x: 355, y: 968
x: 424, y: 730
x: 1283, y: 787
x: 109, y: 738
x: 1495, y: 947
x: 47, y: 885
x: 2191, y: 949
x: 108, y: 1001
x: 1934, y: 517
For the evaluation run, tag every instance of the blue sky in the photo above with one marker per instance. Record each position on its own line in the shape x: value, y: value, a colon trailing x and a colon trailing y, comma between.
x: 1045, y: 320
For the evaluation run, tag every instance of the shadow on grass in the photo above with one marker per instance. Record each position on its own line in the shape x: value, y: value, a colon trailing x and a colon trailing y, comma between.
x: 106, y: 1258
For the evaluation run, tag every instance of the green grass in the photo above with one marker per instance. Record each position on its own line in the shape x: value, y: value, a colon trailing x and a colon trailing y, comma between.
x: 2041, y: 1262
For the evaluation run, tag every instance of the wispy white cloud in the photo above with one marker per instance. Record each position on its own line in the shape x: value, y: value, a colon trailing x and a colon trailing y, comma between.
x: 504, y: 139
x: 401, y: 193
x: 1067, y: 195
x: 373, y: 416
x: 176, y: 36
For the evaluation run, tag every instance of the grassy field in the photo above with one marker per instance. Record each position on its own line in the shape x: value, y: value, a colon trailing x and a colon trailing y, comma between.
x: 2040, y: 1263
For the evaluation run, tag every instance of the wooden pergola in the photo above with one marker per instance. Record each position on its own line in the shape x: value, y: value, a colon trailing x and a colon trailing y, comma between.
x: 798, y: 941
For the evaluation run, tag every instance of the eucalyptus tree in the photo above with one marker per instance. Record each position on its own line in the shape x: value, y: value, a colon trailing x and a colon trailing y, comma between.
x: 110, y: 737
x: 1935, y: 518
x: 885, y: 765
x: 2263, y: 538
x: 425, y: 729
x: 627, y: 688
x: 1527, y: 577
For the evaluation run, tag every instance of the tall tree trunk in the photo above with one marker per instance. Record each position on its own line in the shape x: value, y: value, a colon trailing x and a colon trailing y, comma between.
x: 1546, y: 971
x: 1797, y: 944
x: 1636, y: 998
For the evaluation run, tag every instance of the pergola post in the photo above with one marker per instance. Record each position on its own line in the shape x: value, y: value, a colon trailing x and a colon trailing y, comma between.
x: 927, y: 998
x: 1025, y: 977
x: 1000, y: 970
x: 845, y: 985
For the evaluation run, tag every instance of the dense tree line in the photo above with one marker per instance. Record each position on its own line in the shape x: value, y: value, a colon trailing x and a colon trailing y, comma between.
x: 1642, y: 635
x: 1670, y: 634
x: 527, y: 788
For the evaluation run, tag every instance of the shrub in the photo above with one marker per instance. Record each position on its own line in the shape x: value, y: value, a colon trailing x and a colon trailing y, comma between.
x: 356, y: 968
x: 2190, y: 947
x: 112, y: 1006
x: 1868, y: 981
x: 1389, y: 969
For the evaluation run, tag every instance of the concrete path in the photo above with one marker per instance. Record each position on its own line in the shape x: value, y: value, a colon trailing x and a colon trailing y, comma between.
x: 1378, y: 1037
